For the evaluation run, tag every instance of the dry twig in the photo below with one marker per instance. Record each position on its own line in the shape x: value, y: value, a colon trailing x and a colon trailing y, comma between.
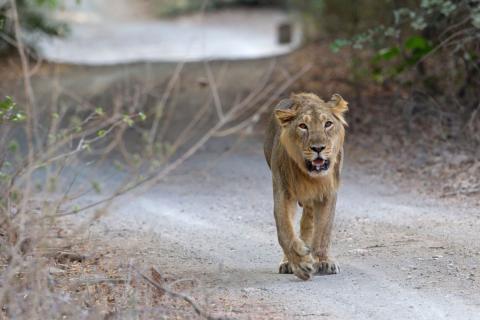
x: 198, y: 310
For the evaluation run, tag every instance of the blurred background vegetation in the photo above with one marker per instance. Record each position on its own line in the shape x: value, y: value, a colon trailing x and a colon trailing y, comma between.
x: 423, y: 54
x: 422, y: 57
x: 394, y: 38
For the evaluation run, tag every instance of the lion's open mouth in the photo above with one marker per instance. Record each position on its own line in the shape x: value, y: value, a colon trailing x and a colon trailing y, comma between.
x: 317, y: 165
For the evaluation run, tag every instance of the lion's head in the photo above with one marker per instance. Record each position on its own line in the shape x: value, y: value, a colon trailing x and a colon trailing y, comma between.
x: 312, y: 131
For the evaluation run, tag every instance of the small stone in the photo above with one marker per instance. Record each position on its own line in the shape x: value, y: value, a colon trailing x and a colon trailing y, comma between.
x: 249, y: 290
x: 55, y: 271
x: 359, y: 251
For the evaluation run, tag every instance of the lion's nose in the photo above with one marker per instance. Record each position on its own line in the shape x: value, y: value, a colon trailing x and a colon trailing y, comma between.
x: 317, y: 147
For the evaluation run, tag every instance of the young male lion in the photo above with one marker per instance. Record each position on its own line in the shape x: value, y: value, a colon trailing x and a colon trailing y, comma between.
x: 304, y: 149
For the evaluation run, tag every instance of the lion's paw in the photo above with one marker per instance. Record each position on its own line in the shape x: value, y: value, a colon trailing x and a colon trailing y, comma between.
x: 326, y: 267
x: 285, y: 268
x: 304, y: 268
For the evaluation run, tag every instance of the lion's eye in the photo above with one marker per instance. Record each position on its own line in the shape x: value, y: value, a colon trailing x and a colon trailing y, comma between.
x: 303, y: 126
x: 328, y: 124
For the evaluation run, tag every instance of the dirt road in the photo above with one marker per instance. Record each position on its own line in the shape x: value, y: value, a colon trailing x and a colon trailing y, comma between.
x: 129, y: 32
x: 401, y: 256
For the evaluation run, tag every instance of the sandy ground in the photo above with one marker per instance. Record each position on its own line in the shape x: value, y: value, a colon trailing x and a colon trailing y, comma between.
x: 401, y: 256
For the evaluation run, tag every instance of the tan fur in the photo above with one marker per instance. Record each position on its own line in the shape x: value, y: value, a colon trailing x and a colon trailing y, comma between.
x: 287, y: 148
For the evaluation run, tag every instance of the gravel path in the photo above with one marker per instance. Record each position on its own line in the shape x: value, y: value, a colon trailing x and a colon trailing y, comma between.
x: 402, y: 257
x: 106, y: 35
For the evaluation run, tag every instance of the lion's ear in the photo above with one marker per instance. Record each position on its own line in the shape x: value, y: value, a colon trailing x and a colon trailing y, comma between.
x: 339, y: 107
x: 284, y: 112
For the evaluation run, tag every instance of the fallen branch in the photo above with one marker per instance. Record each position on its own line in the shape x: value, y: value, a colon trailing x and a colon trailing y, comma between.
x: 199, y: 311
x: 94, y: 280
x: 464, y: 192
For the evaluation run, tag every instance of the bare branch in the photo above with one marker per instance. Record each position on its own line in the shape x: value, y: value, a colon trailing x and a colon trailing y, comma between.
x: 199, y: 311
x: 157, y: 177
x: 214, y: 88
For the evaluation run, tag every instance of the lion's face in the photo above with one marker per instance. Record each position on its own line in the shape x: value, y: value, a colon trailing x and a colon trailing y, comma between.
x: 312, y: 131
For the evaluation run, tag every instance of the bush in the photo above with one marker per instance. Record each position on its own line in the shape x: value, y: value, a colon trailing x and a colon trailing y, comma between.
x: 430, y: 49
x: 33, y: 17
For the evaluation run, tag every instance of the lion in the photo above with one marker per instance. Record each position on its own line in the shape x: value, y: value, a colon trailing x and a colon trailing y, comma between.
x: 304, y: 150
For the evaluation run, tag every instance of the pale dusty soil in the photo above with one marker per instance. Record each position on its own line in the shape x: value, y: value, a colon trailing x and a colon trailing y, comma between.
x: 402, y: 256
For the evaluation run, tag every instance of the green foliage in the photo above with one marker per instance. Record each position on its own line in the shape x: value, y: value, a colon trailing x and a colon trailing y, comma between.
x: 9, y: 111
x: 99, y: 111
x: 386, y: 54
x: 417, y: 47
x: 96, y: 187
x: 128, y: 120
x: 142, y: 116
x: 33, y: 17
x: 475, y: 16
x: 13, y: 146
x: 101, y: 133
x: 417, y: 32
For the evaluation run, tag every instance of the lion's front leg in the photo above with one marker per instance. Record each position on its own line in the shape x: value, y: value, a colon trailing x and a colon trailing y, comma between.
x: 297, y: 253
x: 306, y: 224
x: 324, y: 213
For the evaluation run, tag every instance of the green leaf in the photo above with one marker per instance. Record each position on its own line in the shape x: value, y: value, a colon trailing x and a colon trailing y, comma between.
x: 417, y: 43
x: 101, y: 133
x: 96, y: 187
x: 142, y: 116
x: 385, y: 54
x: 388, y: 53
x: 9, y: 111
x: 18, y: 117
x: 50, y: 3
x: 128, y: 120
x: 4, y: 176
x: 118, y: 165
x: 13, y: 146
x: 338, y: 44
x: 87, y: 147
x: 417, y: 47
x: 7, y: 104
x: 99, y: 111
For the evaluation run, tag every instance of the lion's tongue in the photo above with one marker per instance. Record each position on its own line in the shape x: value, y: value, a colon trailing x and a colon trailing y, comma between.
x: 318, y: 162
